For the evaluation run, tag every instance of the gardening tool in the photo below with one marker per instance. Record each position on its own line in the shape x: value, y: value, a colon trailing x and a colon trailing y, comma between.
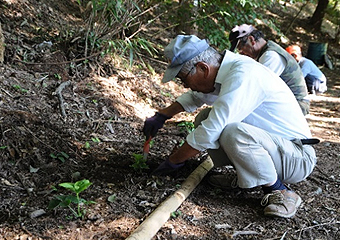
x: 146, y: 148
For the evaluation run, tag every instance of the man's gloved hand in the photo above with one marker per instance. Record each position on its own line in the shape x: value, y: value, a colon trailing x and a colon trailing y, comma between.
x: 166, y: 168
x: 153, y: 124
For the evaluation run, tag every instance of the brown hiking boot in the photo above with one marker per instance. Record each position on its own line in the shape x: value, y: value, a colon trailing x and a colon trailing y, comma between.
x: 223, y: 181
x: 281, y: 203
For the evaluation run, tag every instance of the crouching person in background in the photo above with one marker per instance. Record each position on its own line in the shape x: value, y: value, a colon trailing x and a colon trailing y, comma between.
x: 315, y: 79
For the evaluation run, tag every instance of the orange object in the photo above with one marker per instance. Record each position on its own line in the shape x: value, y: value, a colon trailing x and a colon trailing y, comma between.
x: 293, y: 49
x: 146, y: 148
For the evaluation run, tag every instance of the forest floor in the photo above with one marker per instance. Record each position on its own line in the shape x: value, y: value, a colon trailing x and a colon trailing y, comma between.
x: 62, y: 125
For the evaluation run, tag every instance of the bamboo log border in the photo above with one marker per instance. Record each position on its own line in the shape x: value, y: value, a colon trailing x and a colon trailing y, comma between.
x: 161, y: 214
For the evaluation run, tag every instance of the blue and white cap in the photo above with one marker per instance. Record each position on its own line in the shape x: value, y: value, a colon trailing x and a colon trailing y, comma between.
x: 179, y: 51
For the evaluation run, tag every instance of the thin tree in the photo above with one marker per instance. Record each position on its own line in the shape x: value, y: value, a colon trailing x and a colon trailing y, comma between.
x: 319, y: 14
x: 186, y: 14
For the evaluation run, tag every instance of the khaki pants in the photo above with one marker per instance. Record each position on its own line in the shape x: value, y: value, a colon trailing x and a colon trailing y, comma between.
x: 258, y: 156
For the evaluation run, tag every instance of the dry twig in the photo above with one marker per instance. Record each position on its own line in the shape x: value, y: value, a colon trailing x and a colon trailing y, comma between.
x: 317, y: 225
x: 60, y: 96
x: 59, y: 63
x: 291, y: 24
x: 243, y: 233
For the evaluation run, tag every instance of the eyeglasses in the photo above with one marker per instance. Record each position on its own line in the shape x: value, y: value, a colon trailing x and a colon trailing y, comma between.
x: 183, y: 80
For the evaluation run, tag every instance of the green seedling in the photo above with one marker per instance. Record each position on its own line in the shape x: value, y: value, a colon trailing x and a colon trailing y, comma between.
x: 60, y: 155
x: 87, y: 145
x: 18, y: 87
x: 166, y: 94
x: 186, y: 127
x: 57, y: 76
x: 95, y: 139
x: 68, y: 200
x: 181, y: 143
x: 139, y: 162
x: 152, y: 142
x: 176, y: 214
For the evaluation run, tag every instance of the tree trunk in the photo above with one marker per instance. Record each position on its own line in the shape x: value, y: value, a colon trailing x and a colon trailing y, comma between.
x: 335, y: 5
x: 186, y: 15
x: 318, y: 15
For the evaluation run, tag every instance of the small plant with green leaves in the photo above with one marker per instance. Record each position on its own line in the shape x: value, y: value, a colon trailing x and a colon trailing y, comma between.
x: 69, y: 200
x: 139, y: 162
x: 95, y: 140
x: 176, y: 214
x: 57, y: 76
x: 18, y: 87
x: 60, y: 155
x: 87, y: 145
x: 186, y: 127
x: 166, y: 94
x: 132, y: 48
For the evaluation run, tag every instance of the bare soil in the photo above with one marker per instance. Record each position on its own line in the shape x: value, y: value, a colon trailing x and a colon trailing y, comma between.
x: 50, y: 109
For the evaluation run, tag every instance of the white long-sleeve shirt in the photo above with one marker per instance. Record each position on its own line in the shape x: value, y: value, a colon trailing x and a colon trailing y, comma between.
x: 245, y: 91
x: 273, y: 61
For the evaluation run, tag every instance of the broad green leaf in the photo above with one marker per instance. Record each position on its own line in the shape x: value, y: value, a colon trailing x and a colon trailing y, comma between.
x: 53, y: 203
x: 81, y: 185
x: 69, y: 186
x: 65, y: 155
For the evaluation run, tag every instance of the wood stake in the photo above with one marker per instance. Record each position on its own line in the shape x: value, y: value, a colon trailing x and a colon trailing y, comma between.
x: 161, y: 214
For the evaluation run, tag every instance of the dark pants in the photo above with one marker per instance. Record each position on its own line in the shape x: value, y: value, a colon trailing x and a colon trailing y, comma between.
x: 312, y: 83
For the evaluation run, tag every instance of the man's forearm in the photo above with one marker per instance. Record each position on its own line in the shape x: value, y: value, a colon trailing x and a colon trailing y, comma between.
x: 172, y: 110
x: 183, y: 153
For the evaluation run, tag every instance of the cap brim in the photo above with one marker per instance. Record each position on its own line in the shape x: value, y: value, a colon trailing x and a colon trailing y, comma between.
x: 171, y: 73
x: 234, y: 45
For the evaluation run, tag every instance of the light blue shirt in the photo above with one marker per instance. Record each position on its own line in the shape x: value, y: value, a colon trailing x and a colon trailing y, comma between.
x: 309, y: 68
x: 245, y: 91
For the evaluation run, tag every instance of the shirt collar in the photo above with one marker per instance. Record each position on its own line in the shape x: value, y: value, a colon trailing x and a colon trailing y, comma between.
x: 228, y: 58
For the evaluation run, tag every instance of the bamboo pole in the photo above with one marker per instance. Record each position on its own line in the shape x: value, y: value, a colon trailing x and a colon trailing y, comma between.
x: 161, y: 214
